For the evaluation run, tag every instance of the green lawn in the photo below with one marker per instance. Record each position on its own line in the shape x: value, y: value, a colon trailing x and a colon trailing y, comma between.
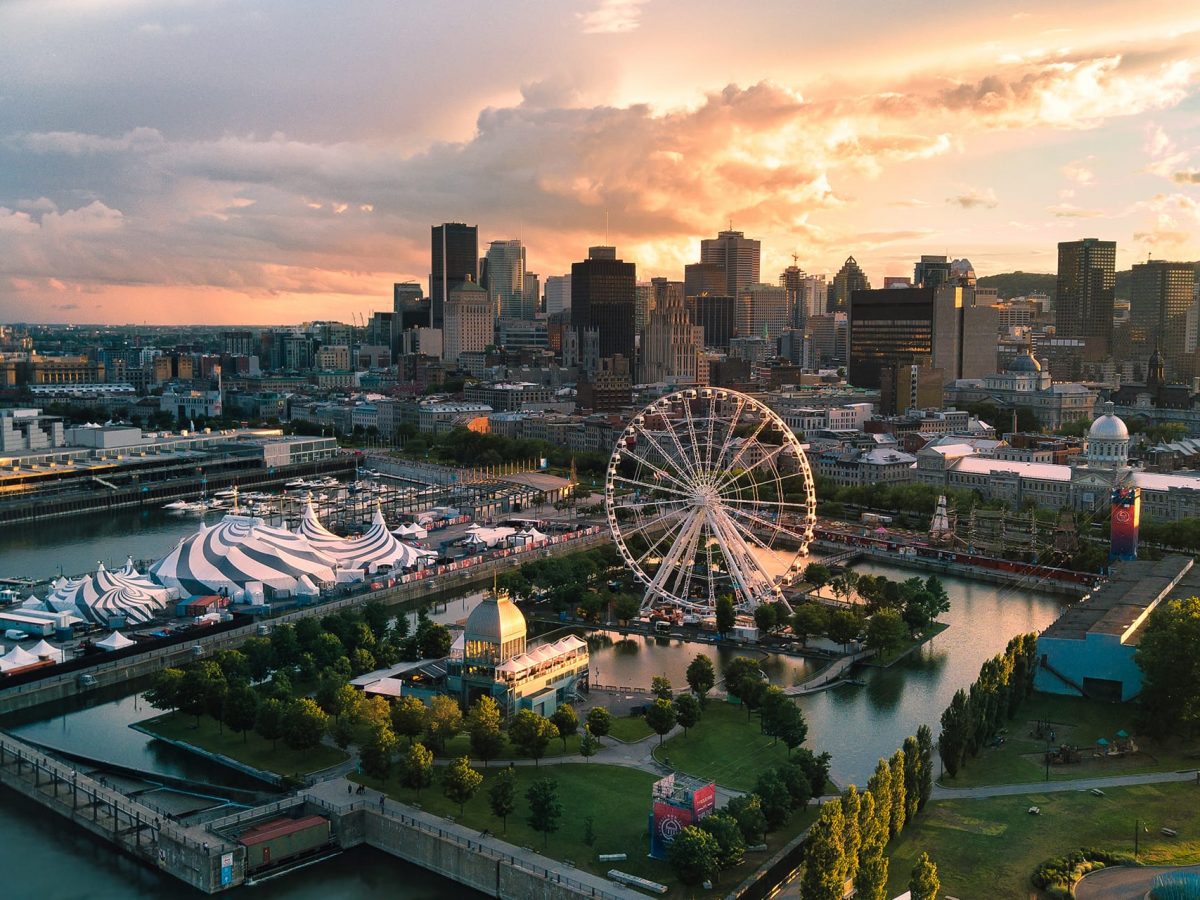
x: 1078, y: 722
x: 989, y: 848
x: 630, y: 728
x: 724, y: 747
x: 460, y: 745
x: 249, y: 748
x: 615, y: 797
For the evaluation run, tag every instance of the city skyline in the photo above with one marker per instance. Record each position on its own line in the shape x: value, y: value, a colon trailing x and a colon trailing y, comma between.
x: 217, y: 163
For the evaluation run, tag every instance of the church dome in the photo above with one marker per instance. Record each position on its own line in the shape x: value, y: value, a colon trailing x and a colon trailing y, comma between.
x: 1108, y: 427
x: 1024, y: 363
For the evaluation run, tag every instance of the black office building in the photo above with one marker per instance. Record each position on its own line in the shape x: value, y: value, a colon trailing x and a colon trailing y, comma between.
x: 1083, y: 308
x: 454, y: 256
x: 604, y: 297
x: 717, y: 315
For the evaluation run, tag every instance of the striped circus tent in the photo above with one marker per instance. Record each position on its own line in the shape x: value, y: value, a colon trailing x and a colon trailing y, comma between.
x: 377, y: 547
x: 240, y: 550
x: 99, y: 597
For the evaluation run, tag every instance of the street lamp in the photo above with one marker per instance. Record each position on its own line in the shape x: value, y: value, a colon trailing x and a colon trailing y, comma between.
x: 1137, y: 826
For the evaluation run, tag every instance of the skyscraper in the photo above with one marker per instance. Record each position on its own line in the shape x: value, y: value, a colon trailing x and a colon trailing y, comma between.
x: 849, y: 278
x: 931, y: 272
x: 454, y: 258
x: 701, y: 278
x: 603, y: 290
x: 736, y: 255
x: 558, y: 294
x: 410, y: 306
x: 1084, y: 306
x: 469, y: 325
x: 762, y: 311
x: 504, y: 266
x: 902, y: 326
x: 1160, y: 297
x: 671, y: 345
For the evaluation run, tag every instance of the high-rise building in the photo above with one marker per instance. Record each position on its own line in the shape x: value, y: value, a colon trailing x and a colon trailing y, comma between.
x: 468, y: 323
x: 1160, y: 297
x: 717, y: 315
x: 558, y: 294
x: 850, y: 278
x: 736, y: 255
x: 903, y: 326
x: 1084, y: 306
x: 454, y: 259
x: 643, y: 305
x: 704, y: 278
x: 410, y: 305
x: 503, y: 277
x: 763, y: 311
x: 791, y: 280
x: 931, y: 272
x: 531, y: 297
x: 672, y: 345
x: 603, y: 297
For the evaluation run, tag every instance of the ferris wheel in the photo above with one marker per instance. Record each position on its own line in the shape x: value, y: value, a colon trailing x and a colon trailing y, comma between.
x: 710, y: 494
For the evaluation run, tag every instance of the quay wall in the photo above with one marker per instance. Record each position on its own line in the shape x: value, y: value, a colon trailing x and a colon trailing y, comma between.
x: 107, y: 674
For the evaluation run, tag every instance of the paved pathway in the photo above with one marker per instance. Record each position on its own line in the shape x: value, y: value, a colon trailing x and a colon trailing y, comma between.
x: 830, y: 676
x: 1123, y: 882
x: 941, y: 792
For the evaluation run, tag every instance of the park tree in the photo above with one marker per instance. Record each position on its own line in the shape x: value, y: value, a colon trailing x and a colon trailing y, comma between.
x: 726, y: 616
x: 695, y: 855
x: 925, y: 779
x: 912, y: 777
x: 817, y: 575
x: 589, y: 744
x: 748, y: 812
x: 886, y: 632
x: 1166, y: 654
x: 373, y: 712
x: 460, y: 782
x: 418, y: 767
x: 765, y: 617
x: 880, y: 787
x: 281, y: 686
x: 566, y: 721
x: 792, y: 728
x: 233, y: 665
x: 408, y: 717
x: 924, y: 884
x: 531, y: 734
x: 346, y: 702
x: 796, y: 782
x: 599, y: 721
x: 269, y: 722
x: 544, y: 808
x: 939, y: 600
x: 815, y: 767
x: 809, y: 620
x: 241, y: 709
x: 700, y: 676
x: 687, y: 711
x: 483, y: 728
x: 870, y: 882
x: 327, y: 650
x: 626, y: 607
x: 844, y: 626
x: 660, y: 716
x: 741, y: 675
x: 164, y: 692
x: 342, y: 732
x: 443, y: 720
x: 825, y: 862
x: 851, y: 836
x: 377, y: 752
x: 956, y: 727
x: 285, y: 647
x: 257, y: 651
x: 730, y: 842
x: 774, y: 707
x: 361, y: 661
x: 899, y: 810
x: 502, y: 796
x: 776, y: 799
x: 434, y: 642
x: 660, y: 687
x: 304, y: 724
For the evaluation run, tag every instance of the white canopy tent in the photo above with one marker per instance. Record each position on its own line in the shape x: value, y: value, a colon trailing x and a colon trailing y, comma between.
x: 16, y: 658
x: 45, y: 650
x: 115, y: 641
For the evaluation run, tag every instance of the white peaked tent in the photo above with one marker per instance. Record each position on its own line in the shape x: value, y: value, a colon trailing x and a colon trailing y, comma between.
x: 99, y: 597
x: 240, y: 550
x: 412, y: 531
x: 115, y: 641
x: 45, y: 650
x: 377, y: 547
x: 16, y: 658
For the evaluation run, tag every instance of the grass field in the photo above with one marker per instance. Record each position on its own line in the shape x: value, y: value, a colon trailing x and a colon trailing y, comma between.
x: 989, y: 847
x: 615, y: 797
x: 249, y: 748
x: 724, y: 747
x: 630, y: 728
x: 1077, y: 722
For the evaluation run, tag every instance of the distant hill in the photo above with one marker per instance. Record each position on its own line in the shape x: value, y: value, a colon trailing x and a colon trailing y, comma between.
x: 1020, y: 284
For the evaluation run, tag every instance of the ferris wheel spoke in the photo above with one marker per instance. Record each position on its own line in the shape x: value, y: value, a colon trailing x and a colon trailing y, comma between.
x: 683, y: 486
x: 768, y: 524
x: 672, y: 531
x: 670, y: 563
x: 731, y: 429
x: 648, y: 524
x: 749, y: 578
x: 748, y: 442
x: 686, y: 496
x: 767, y: 458
x: 708, y: 445
x: 684, y: 573
x: 638, y: 503
x: 687, y: 459
x: 698, y: 460
x: 679, y: 457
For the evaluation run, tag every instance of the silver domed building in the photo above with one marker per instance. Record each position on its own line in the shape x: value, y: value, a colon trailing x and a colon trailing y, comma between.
x: 1108, y: 441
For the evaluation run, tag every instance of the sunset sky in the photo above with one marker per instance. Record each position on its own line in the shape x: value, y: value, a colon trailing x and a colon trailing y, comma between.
x: 271, y: 161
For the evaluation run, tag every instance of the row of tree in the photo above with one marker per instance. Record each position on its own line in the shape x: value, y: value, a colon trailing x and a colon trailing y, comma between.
x: 1166, y: 654
x: 974, y: 715
x: 847, y: 841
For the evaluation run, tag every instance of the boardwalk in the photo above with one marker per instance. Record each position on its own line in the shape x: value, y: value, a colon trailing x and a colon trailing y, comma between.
x: 828, y: 677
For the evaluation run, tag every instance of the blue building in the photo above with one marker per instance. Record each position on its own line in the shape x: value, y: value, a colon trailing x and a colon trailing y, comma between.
x: 1089, y: 649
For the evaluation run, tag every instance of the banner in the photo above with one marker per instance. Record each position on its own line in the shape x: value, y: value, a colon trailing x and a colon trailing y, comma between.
x: 1126, y: 514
